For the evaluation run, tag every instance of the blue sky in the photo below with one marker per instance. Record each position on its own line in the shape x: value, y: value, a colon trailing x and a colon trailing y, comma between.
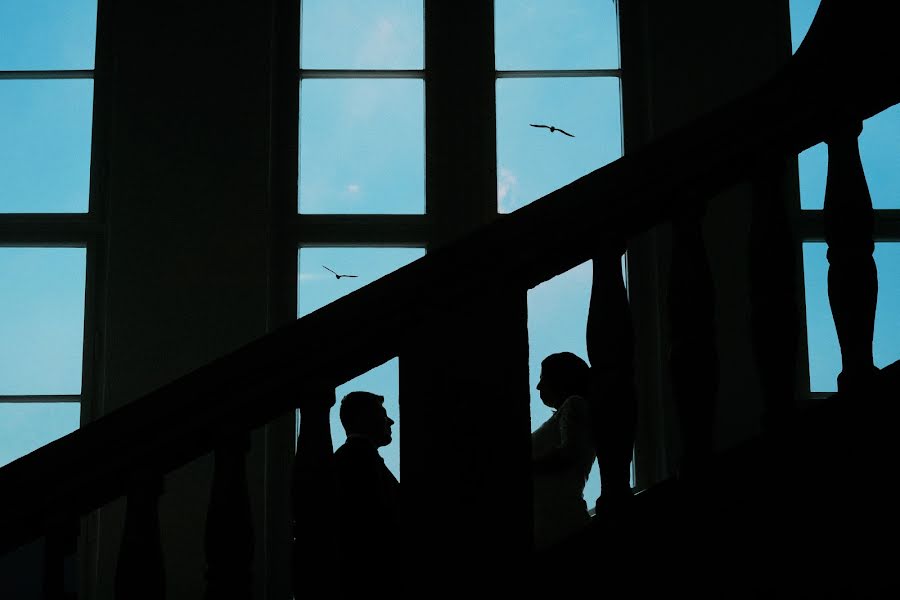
x: 362, y: 151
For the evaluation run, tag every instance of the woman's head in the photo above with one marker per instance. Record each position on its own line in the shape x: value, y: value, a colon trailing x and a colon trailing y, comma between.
x: 562, y: 375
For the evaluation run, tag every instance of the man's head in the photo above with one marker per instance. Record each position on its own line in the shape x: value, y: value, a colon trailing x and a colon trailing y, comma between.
x: 563, y: 375
x: 363, y: 414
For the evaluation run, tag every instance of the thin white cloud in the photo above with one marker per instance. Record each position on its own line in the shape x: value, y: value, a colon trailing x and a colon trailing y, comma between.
x: 353, y: 188
x: 506, y: 181
x: 387, y: 45
x: 313, y: 276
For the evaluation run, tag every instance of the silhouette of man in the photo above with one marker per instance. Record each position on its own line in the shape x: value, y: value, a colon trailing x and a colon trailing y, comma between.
x: 368, y: 497
x: 562, y: 450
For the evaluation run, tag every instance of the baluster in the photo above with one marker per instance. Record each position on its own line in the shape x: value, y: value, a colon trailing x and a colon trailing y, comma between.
x: 59, y: 547
x: 229, y: 525
x: 610, y: 347
x: 693, y: 360
x: 774, y: 313
x: 314, y: 498
x: 852, y: 275
x: 140, y: 574
x: 466, y: 452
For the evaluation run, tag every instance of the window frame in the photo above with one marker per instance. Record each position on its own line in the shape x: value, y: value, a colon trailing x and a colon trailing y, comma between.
x: 74, y: 230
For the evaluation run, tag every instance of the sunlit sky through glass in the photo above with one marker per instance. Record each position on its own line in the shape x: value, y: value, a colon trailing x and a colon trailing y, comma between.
x: 532, y: 162
x: 26, y: 427
x: 550, y: 34
x: 41, y: 335
x: 362, y: 146
x: 47, y: 34
x: 41, y: 320
x: 45, y: 145
x: 355, y: 34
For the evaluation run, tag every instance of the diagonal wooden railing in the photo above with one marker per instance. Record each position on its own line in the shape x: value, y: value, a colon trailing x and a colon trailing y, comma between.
x: 135, y: 445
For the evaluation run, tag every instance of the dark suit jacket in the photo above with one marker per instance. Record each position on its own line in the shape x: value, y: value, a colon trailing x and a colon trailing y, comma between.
x: 368, y: 512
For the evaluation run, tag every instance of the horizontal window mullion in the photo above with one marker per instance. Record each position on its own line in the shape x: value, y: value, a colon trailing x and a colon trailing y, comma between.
x: 69, y: 74
x: 362, y: 230
x: 361, y: 74
x: 39, y: 399
x: 48, y: 230
x: 559, y: 73
x: 811, y: 225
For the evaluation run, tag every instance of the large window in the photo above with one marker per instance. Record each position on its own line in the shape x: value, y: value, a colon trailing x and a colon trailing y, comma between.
x: 361, y: 162
x: 878, y: 146
x: 557, y: 65
x: 46, y: 217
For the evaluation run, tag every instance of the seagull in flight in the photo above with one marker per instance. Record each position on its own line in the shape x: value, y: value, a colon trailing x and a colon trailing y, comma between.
x: 336, y: 276
x: 552, y: 129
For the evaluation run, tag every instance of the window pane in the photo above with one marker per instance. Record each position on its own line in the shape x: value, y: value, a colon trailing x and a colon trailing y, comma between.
x: 41, y: 320
x: 878, y: 144
x: 362, y: 147
x: 45, y: 145
x: 361, y: 34
x: 824, y: 351
x: 47, y: 34
x: 802, y: 13
x: 548, y: 34
x: 26, y: 427
x: 532, y: 162
x: 879, y: 148
x: 316, y: 286
x: 383, y: 380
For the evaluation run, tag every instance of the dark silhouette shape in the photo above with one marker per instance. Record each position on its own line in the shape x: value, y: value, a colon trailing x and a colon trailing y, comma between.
x: 562, y: 450
x: 368, y: 496
x: 314, y: 495
x: 610, y: 348
x: 336, y: 275
x: 552, y: 129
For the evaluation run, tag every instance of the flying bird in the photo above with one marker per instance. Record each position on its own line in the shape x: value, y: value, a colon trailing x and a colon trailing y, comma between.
x: 552, y: 129
x: 337, y: 276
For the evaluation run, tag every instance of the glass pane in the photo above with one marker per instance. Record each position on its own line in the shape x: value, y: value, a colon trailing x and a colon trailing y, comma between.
x: 362, y: 147
x: 26, y: 427
x: 879, y: 149
x: 41, y: 320
x: 361, y: 34
x: 824, y: 351
x: 548, y: 34
x: 383, y: 380
x: 316, y: 286
x: 47, y: 34
x: 45, y: 145
x: 878, y: 144
x: 532, y: 162
x: 802, y: 13
x: 812, y: 164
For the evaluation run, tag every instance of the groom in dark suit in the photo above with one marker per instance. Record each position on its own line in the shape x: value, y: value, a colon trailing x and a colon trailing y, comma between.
x: 368, y: 496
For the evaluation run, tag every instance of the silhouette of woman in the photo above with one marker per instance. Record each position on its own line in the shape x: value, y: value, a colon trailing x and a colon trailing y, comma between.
x: 562, y: 450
